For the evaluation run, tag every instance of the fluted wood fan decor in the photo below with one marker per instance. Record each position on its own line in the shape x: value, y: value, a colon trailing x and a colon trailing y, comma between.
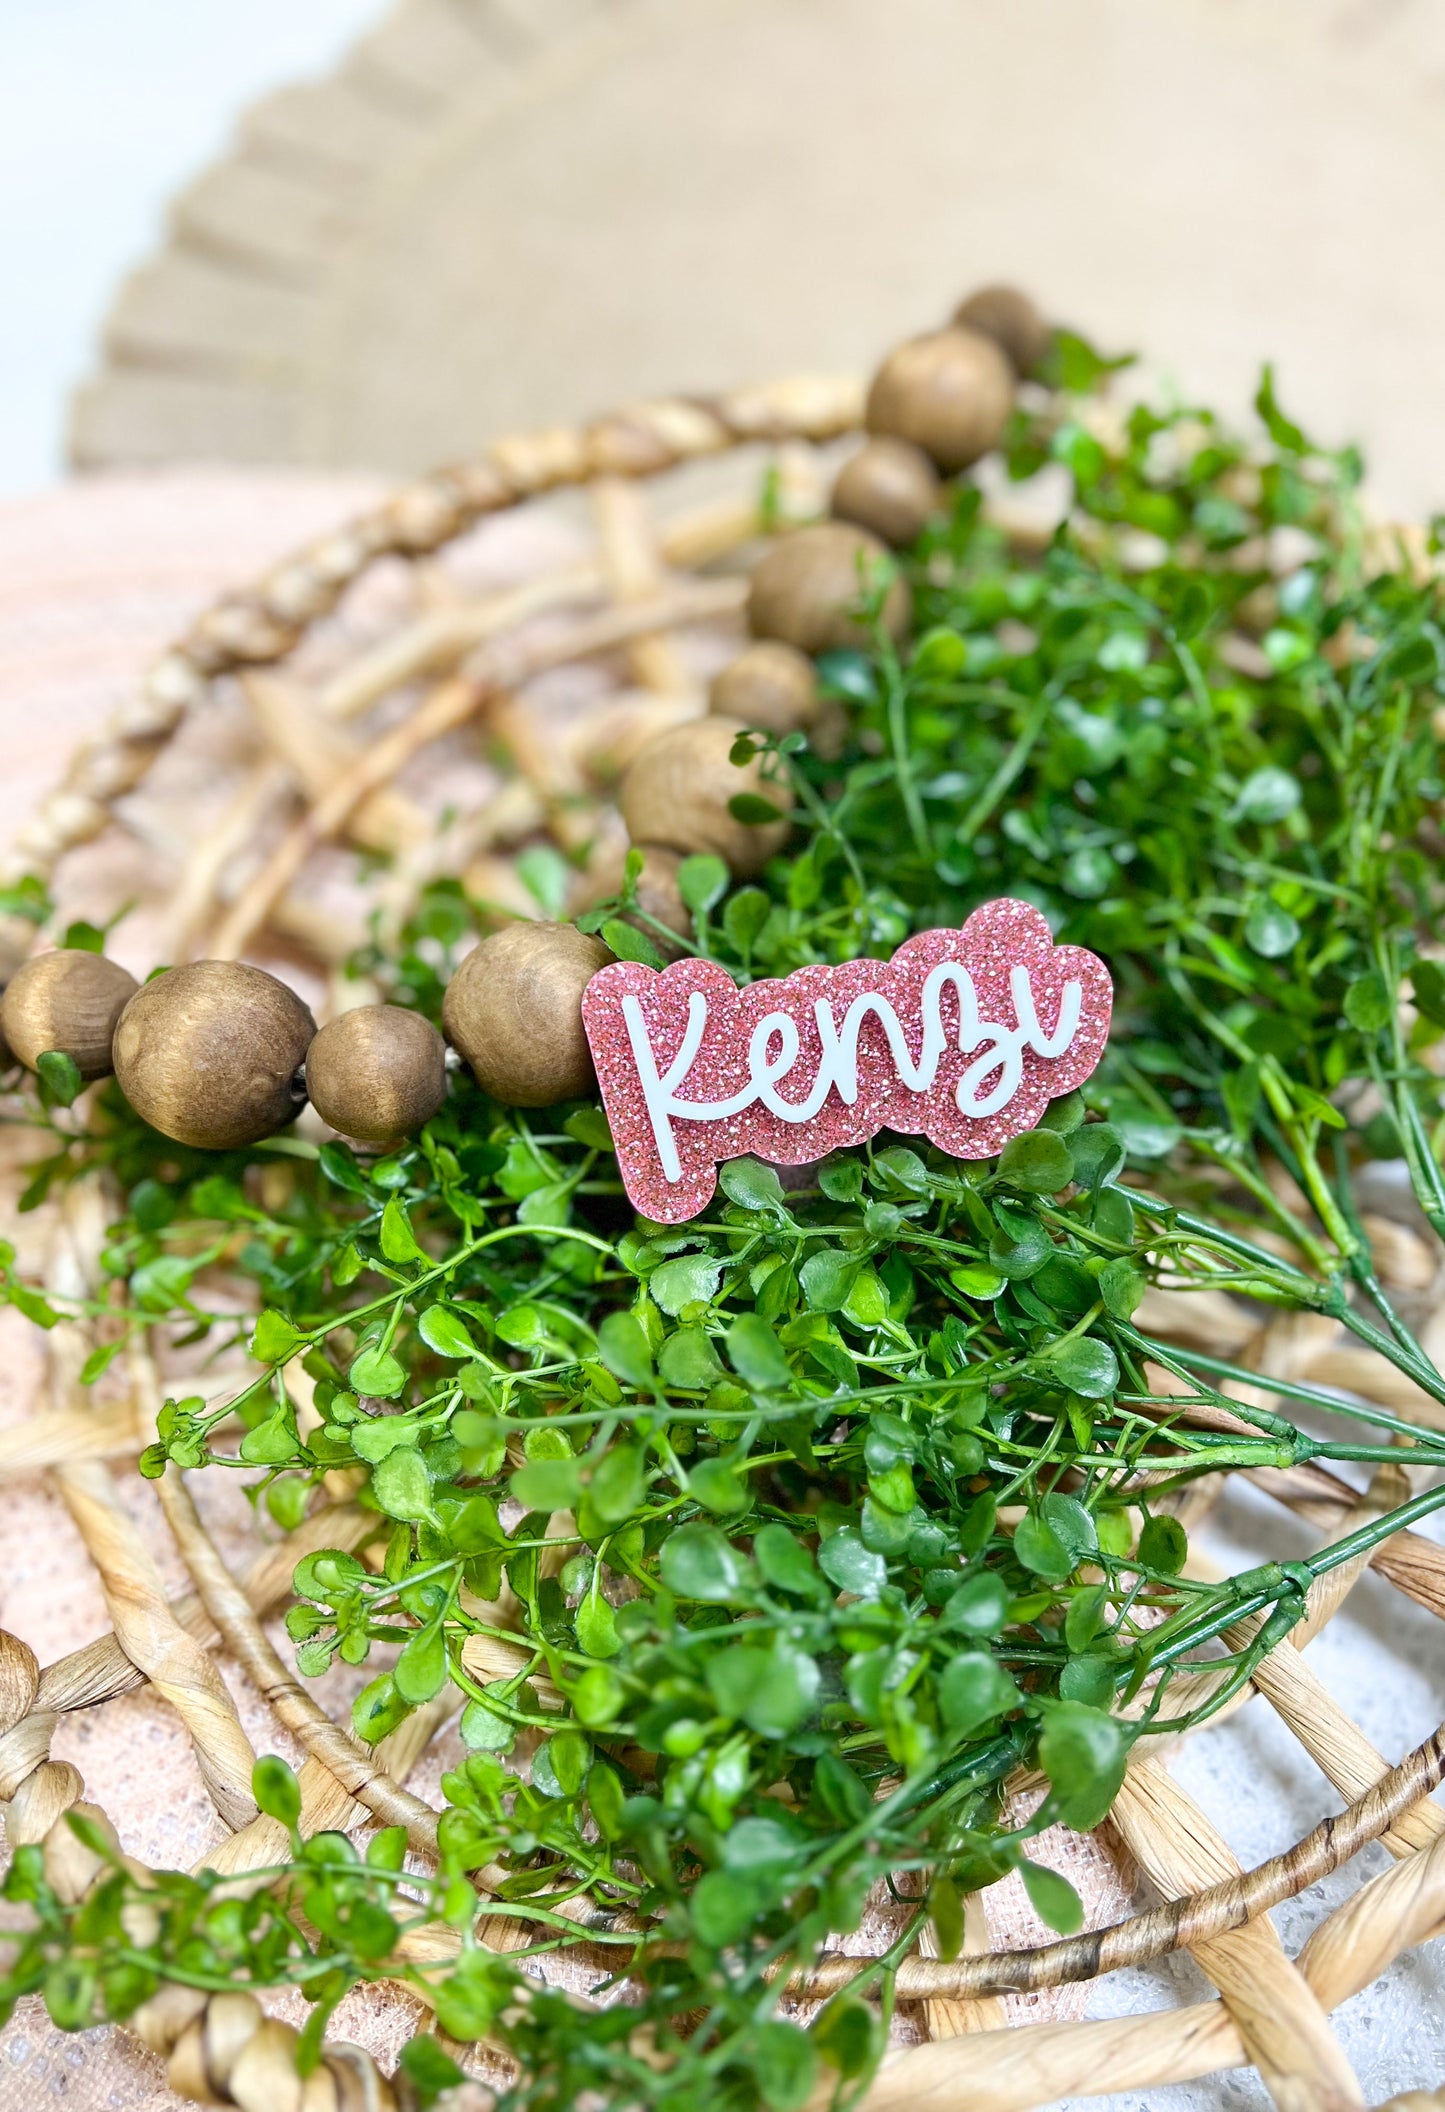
x: 804, y: 1600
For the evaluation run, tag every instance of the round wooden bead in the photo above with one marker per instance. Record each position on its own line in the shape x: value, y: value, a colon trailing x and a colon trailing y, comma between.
x: 806, y: 586
x: 950, y: 393
x: 1012, y: 320
x: 770, y: 685
x: 377, y: 1072
x: 677, y: 792
x: 514, y: 1011
x: 68, y: 1000
x: 889, y: 486
x: 658, y: 896
x: 208, y: 1053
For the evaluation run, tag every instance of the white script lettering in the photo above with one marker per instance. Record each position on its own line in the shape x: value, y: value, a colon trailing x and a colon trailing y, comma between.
x: 775, y: 1042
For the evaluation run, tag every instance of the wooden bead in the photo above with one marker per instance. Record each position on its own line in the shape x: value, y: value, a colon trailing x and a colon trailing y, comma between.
x: 950, y: 393
x: 677, y: 789
x: 69, y: 1000
x: 658, y: 896
x: 889, y: 486
x: 770, y: 685
x: 1012, y: 320
x: 514, y: 1011
x: 208, y: 1053
x: 806, y: 586
x: 377, y: 1072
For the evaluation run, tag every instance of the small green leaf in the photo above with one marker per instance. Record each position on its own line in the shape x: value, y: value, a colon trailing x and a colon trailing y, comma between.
x: 978, y: 1607
x: 598, y: 1697
x: 161, y: 1285
x: 1121, y: 1286
x: 746, y: 914
x: 427, y: 2068
x: 1267, y: 795
x: 1086, y: 1366
x: 1040, y: 1549
x: 1083, y: 1752
x: 402, y: 1486
x: 546, y: 875
x: 421, y: 1669
x: 1164, y: 1544
x: 783, y: 2063
x: 100, y: 1360
x: 1098, y: 1153
x: 1368, y: 1005
x: 1085, y: 1616
x: 973, y: 1690
x: 689, y: 1361
x: 276, y: 1790
x: 59, y: 1077
x: 772, y: 1691
x: 1270, y: 931
x: 589, y: 1126
x: 977, y: 1280
x: 699, y: 1563
x: 751, y: 1185
x: 272, y: 1442
x: 378, y: 1709
x: 273, y: 1339
x: 1052, y: 1898
x: 1071, y: 1524
x: 630, y: 944
x: 624, y: 1350
x: 785, y: 1563
x: 754, y: 811
x: 718, y: 1488
x: 483, y: 1730
x: 1037, y: 1163
x: 618, y: 1486
x: 690, y: 1279
x: 702, y: 881
x: 376, y: 1374
x: 1019, y: 1249
x: 595, y: 1624
x: 548, y: 1484
x: 723, y: 1905
x: 846, y: 1562
x: 756, y: 1355
x: 444, y: 1331
x: 398, y: 1241
x: 1283, y: 431
x: 826, y: 1278
x: 374, y: 1437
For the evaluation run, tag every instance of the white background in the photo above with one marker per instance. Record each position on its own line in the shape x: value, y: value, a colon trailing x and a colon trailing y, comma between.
x: 107, y: 107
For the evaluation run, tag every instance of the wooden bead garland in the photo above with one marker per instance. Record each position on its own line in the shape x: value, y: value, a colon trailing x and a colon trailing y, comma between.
x: 219, y: 1054
x: 514, y: 1011
x: 377, y: 1072
x: 208, y: 1053
x: 68, y: 1000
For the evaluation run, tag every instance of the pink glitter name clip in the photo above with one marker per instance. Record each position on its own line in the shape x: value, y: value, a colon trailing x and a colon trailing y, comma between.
x: 964, y: 1036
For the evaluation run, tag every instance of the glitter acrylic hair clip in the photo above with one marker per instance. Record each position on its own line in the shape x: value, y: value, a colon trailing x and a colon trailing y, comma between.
x: 963, y: 1037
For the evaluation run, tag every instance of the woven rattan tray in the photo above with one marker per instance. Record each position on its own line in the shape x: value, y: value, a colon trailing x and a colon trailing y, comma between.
x: 399, y: 687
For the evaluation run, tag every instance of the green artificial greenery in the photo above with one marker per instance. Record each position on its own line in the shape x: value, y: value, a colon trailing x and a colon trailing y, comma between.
x: 872, y: 1478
